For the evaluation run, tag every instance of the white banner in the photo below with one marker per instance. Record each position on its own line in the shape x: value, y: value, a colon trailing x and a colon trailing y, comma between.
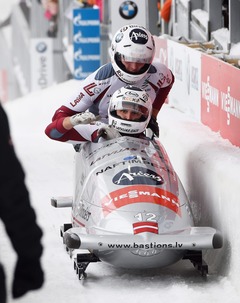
x: 41, y: 63
x: 185, y: 64
x: 127, y: 12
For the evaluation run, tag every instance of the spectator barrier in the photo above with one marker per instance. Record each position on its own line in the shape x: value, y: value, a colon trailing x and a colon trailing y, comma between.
x: 206, y: 88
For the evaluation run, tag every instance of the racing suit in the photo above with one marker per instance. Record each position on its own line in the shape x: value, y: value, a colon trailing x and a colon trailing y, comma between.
x: 95, y: 93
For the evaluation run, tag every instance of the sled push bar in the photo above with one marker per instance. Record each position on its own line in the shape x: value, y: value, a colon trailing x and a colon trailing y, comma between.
x: 193, y: 238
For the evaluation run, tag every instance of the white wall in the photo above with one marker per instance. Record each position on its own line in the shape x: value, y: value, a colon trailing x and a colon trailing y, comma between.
x: 209, y: 168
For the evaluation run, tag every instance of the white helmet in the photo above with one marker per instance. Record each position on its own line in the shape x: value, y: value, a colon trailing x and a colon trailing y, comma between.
x: 132, y: 43
x: 134, y: 99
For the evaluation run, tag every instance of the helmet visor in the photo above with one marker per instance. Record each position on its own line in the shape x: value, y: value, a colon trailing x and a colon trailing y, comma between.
x: 136, y: 111
x: 135, y: 58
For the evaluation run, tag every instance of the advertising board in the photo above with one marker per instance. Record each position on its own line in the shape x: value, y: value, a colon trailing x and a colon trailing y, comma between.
x: 127, y: 12
x: 41, y: 63
x: 206, y: 88
x: 220, y: 106
x: 86, y: 41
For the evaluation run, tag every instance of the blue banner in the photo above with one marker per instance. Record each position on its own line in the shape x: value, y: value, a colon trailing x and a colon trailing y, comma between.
x: 86, y: 41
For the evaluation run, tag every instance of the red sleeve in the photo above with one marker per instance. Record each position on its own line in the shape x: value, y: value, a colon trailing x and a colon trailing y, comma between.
x: 63, y: 112
x: 56, y: 131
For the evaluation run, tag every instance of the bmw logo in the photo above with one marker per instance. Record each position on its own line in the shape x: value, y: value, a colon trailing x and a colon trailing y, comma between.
x: 128, y: 10
x: 41, y: 47
x: 119, y: 37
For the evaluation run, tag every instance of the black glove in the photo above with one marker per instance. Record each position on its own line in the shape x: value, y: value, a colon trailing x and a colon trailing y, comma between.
x: 28, y: 276
x: 153, y: 125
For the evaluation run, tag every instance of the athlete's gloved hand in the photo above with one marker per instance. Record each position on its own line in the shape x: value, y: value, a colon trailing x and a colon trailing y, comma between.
x: 153, y: 125
x: 83, y: 118
x: 28, y: 275
x: 108, y: 133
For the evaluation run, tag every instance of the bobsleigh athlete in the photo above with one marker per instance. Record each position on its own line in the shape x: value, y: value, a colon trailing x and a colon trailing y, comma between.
x: 132, y: 54
x: 129, y: 113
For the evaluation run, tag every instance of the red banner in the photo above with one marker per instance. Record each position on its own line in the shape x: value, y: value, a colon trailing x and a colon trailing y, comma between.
x: 210, y: 92
x: 220, y: 98
x: 230, y: 103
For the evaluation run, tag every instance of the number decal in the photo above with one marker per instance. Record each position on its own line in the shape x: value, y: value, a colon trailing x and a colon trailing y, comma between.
x: 151, y: 217
x: 146, y: 217
x: 139, y: 217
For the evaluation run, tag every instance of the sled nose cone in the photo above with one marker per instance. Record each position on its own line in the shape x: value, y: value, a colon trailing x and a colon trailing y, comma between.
x: 71, y: 240
x: 217, y: 241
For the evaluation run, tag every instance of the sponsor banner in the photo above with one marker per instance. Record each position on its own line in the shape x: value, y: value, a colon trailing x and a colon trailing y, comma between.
x: 193, y: 85
x: 229, y: 103
x: 220, y: 106
x: 205, y: 87
x: 87, y: 52
x: 86, y: 42
x: 210, y: 92
x: 127, y: 12
x: 185, y: 63
x: 41, y: 63
x: 140, y: 194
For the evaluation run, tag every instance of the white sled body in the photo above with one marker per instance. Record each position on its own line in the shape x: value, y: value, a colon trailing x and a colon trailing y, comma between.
x: 130, y: 208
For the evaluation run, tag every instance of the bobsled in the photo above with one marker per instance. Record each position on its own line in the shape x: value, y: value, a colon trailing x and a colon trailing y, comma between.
x: 130, y: 210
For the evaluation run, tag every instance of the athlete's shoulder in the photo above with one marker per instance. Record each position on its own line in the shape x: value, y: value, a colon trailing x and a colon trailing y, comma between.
x: 104, y: 72
x: 160, y: 72
x: 160, y: 67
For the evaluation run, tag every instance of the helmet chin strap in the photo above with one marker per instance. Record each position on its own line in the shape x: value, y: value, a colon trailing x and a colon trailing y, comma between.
x: 132, y: 135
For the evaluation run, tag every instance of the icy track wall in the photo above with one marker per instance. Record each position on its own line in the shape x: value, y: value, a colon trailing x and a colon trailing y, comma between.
x: 199, y: 128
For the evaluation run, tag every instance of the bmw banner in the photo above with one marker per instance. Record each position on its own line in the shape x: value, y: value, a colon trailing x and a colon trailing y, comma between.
x: 86, y: 41
x: 127, y: 12
x: 141, y: 12
x: 41, y: 63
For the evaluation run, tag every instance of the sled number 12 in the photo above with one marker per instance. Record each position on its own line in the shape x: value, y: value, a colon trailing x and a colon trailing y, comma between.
x: 146, y: 217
